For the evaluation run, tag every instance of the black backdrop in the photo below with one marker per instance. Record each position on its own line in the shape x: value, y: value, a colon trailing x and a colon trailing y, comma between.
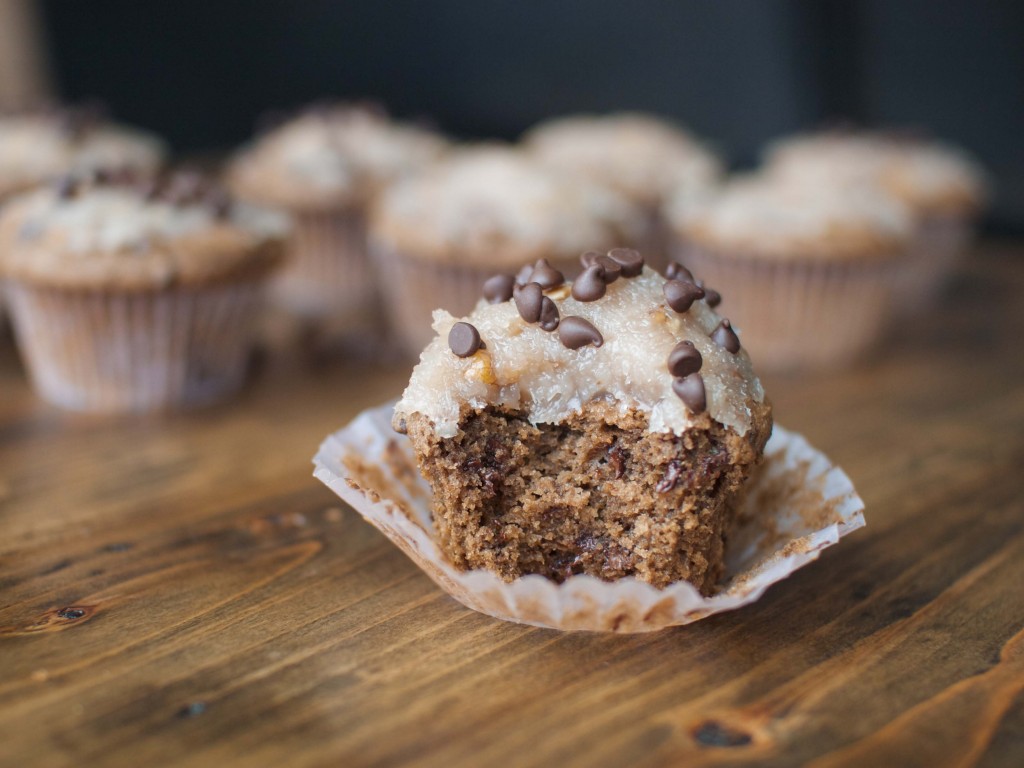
x: 737, y: 71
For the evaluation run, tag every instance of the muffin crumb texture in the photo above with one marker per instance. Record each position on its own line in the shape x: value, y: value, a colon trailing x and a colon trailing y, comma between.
x: 597, y: 494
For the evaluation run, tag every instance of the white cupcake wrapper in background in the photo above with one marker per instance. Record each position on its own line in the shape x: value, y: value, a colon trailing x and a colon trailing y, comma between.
x: 109, y: 351
x: 939, y: 245
x: 798, y: 504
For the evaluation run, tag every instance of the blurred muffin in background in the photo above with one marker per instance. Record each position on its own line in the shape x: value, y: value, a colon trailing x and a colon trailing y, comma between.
x: 37, y: 147
x: 942, y: 187
x: 324, y: 166
x: 647, y: 159
x: 807, y: 271
x: 133, y: 294
x: 439, y: 236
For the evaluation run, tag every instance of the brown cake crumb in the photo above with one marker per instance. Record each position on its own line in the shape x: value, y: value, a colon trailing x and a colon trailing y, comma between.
x: 597, y: 494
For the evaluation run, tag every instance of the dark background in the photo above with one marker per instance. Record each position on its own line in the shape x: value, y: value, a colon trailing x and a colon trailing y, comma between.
x: 738, y: 72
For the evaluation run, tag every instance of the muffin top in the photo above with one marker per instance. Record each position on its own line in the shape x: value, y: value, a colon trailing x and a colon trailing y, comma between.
x: 643, y: 157
x: 761, y: 216
x: 125, y: 232
x: 929, y: 177
x: 330, y: 156
x: 40, y: 146
x: 621, y: 333
x: 495, y: 205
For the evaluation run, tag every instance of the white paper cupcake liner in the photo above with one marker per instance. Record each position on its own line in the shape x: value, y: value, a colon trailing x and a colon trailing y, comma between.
x: 798, y: 504
x: 327, y: 274
x: 115, y: 351
x: 939, y: 245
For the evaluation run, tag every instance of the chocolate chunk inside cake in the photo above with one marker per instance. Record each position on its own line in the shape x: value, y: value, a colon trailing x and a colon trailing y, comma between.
x: 592, y: 432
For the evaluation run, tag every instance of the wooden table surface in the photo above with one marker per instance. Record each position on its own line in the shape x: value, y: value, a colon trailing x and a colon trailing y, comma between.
x: 181, y: 591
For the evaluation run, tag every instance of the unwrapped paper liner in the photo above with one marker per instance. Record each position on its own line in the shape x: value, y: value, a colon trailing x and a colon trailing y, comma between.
x: 797, y: 504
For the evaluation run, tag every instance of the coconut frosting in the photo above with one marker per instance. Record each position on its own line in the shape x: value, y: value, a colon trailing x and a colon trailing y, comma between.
x: 773, y: 217
x: 498, y: 204
x: 36, y: 148
x: 524, y: 368
x: 333, y: 156
x: 927, y: 176
x: 640, y: 155
x: 112, y: 233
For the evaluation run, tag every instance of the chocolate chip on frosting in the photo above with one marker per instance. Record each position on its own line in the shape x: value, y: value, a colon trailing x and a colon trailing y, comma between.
x: 498, y: 289
x: 523, y: 275
x: 725, y: 337
x: 575, y: 332
x: 464, y: 339
x: 548, y: 314
x: 684, y: 359
x: 66, y: 187
x: 612, y: 268
x: 547, y: 276
x: 590, y: 286
x: 711, y: 296
x: 529, y: 301
x: 690, y: 389
x: 680, y: 294
x: 676, y: 271
x: 630, y: 260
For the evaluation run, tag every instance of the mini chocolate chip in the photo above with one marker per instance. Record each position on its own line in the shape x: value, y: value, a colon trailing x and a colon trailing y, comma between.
x: 612, y: 268
x: 529, y: 301
x: 676, y: 271
x: 712, y: 297
x: 590, y: 286
x: 575, y: 332
x: 684, y: 359
x: 548, y: 314
x: 690, y: 389
x: 680, y: 295
x: 630, y: 260
x: 547, y: 276
x: 724, y: 336
x: 464, y: 339
x: 523, y: 275
x: 498, y: 289
x: 219, y: 202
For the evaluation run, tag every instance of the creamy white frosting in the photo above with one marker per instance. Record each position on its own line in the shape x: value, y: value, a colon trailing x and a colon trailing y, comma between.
x: 340, y: 151
x: 526, y: 368
x: 35, y: 148
x: 640, y: 155
x: 773, y: 216
x: 486, y: 196
x: 116, y: 218
x: 920, y: 173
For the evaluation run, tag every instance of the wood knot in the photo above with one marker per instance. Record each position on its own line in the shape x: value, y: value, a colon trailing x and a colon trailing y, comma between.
x: 71, y: 613
x: 711, y: 733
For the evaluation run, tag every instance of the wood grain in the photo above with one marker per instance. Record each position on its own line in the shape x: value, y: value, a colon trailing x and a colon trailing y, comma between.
x: 180, y: 591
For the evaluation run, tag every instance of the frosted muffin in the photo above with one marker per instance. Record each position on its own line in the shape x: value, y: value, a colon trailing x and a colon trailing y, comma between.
x: 605, y: 427
x: 131, y: 295
x: 438, y: 236
x: 324, y: 167
x: 808, y: 269
x: 37, y: 147
x: 941, y: 186
x: 645, y: 158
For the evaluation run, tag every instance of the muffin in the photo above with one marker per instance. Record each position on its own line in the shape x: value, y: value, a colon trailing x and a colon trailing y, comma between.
x: 324, y: 167
x: 132, y: 295
x: 438, y: 236
x: 37, y: 147
x: 809, y: 270
x: 941, y: 186
x: 647, y: 159
x: 605, y: 427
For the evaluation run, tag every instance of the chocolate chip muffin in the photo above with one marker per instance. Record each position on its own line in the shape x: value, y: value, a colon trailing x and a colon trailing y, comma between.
x: 132, y: 294
x: 324, y: 166
x: 603, y: 427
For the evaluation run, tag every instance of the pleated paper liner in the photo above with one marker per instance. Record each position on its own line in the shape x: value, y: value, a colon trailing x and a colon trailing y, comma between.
x: 798, y: 504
